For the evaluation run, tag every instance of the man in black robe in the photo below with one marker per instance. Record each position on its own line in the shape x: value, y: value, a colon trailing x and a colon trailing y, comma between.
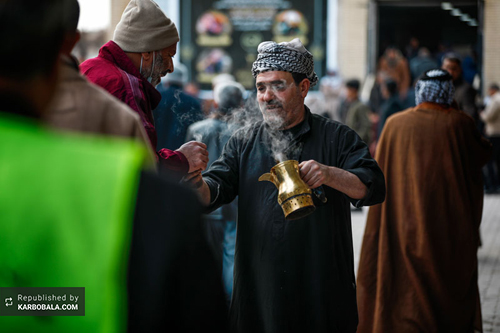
x: 292, y: 276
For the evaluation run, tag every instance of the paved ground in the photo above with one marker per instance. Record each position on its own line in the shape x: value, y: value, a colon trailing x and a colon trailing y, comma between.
x: 488, y: 255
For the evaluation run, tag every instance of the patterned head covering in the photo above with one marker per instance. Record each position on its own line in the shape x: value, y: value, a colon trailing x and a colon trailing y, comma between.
x: 290, y: 57
x: 436, y: 86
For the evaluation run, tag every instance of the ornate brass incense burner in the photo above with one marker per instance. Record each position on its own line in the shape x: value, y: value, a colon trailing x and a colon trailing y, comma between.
x: 294, y: 195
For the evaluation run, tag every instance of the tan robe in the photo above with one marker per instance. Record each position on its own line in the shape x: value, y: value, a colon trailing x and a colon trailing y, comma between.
x: 418, y: 265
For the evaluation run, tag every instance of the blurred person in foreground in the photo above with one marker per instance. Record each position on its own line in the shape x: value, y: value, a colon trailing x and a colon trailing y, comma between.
x: 215, y: 132
x: 81, y: 106
x: 67, y: 206
x: 176, y: 111
x: 491, y: 118
x: 465, y: 94
x: 131, y: 66
x: 418, y: 265
x: 292, y: 276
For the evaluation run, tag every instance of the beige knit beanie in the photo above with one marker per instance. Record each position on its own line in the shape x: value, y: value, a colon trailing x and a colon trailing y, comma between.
x: 144, y: 28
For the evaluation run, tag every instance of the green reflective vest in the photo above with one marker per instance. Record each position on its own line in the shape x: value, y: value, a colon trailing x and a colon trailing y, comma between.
x: 66, y: 209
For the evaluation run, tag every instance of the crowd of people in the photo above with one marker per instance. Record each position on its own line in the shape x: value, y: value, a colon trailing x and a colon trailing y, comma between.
x: 393, y: 90
x: 115, y: 178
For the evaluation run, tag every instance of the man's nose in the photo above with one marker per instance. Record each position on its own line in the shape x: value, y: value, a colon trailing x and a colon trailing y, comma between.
x: 170, y: 65
x: 268, y: 95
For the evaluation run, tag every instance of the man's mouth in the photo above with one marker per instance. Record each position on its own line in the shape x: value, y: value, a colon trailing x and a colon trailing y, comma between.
x: 273, y: 107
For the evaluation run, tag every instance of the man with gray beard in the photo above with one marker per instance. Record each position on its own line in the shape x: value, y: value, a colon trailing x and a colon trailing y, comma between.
x: 292, y: 276
x: 132, y: 64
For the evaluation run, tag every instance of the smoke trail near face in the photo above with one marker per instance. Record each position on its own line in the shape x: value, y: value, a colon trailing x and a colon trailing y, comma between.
x: 281, y: 107
x: 198, y: 137
x: 183, y: 116
x: 275, y: 118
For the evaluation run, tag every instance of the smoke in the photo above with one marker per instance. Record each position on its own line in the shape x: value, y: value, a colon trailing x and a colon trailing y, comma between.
x: 281, y: 147
x: 279, y: 117
x: 197, y: 137
x: 184, y: 117
x: 281, y: 141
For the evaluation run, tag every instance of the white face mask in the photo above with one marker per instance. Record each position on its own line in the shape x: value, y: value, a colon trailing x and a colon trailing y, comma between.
x: 150, y: 77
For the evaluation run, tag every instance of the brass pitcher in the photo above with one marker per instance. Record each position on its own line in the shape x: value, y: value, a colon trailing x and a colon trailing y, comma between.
x: 294, y: 195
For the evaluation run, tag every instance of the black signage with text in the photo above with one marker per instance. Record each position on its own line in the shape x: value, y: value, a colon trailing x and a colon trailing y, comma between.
x: 221, y: 36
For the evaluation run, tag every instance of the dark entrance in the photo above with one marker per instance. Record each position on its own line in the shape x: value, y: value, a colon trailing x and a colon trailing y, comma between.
x: 397, y: 22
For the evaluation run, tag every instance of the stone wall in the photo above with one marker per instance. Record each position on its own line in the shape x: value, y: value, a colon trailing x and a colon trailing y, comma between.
x: 491, y: 43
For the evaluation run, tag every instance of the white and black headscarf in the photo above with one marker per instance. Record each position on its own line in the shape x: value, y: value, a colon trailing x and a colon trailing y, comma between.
x: 290, y: 57
x: 436, y: 86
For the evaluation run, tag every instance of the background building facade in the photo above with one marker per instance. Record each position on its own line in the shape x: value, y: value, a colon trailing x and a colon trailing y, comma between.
x: 357, y: 31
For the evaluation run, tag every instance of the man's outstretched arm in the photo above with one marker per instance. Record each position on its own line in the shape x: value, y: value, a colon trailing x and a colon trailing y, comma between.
x: 316, y: 174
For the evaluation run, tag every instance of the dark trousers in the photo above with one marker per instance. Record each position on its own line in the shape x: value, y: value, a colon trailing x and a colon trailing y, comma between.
x: 493, y: 166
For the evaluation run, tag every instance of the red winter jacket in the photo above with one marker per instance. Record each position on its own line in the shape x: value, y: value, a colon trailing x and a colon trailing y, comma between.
x: 114, y: 71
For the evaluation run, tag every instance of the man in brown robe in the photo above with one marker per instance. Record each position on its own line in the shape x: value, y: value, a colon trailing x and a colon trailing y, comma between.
x: 418, y: 266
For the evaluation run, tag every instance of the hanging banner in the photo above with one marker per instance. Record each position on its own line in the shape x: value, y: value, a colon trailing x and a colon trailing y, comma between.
x: 222, y: 36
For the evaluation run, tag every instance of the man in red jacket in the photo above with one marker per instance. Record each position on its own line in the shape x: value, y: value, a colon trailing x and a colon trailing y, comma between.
x: 132, y: 64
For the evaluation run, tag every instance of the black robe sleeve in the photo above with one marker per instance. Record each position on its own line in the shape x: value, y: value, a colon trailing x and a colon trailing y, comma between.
x: 354, y: 157
x: 223, y: 175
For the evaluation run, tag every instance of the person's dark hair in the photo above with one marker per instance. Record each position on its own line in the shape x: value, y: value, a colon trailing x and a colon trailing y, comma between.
x: 354, y: 84
x: 298, y: 77
x: 494, y: 86
x: 31, y: 35
x: 391, y: 86
x: 231, y: 98
x: 72, y: 15
x: 452, y: 56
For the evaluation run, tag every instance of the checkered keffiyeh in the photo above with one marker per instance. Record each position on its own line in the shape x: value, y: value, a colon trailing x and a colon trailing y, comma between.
x: 289, y: 57
x: 435, y: 86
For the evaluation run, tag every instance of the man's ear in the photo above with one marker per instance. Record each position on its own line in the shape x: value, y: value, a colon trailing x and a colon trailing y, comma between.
x: 304, y: 87
x: 147, y: 56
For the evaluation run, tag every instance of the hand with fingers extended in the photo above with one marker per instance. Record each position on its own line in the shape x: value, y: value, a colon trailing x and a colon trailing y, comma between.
x: 313, y: 173
x: 197, y: 155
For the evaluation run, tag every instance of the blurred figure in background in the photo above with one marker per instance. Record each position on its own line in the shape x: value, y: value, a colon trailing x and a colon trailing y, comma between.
x: 469, y: 66
x: 208, y: 105
x: 131, y: 66
x: 192, y: 89
x: 392, y: 103
x: 418, y: 265
x: 330, y: 86
x: 215, y: 132
x: 465, y: 95
x: 327, y: 102
x: 396, y: 66
x: 443, y: 48
x: 376, y: 99
x: 412, y: 49
x: 176, y: 111
x: 357, y: 115
x: 421, y: 63
x: 491, y: 118
x: 84, y: 107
